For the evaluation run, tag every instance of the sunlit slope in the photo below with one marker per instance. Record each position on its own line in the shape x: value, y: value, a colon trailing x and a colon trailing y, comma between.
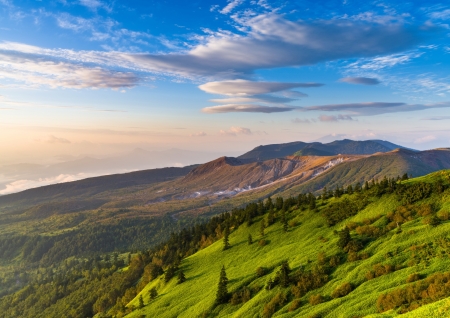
x: 308, y: 236
x: 391, y: 165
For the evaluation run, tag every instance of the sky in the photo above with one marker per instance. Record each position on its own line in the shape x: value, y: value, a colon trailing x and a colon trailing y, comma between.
x: 100, y: 78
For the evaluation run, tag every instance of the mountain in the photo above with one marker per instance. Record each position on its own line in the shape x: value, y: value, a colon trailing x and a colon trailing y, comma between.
x: 18, y: 177
x: 345, y: 146
x: 380, y: 251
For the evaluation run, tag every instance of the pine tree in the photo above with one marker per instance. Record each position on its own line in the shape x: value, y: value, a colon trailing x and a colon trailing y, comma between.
x: 344, y: 237
x: 283, y: 274
x: 181, y: 277
x: 153, y: 293
x: 270, y: 217
x: 250, y: 239
x: 141, y: 302
x: 284, y: 221
x: 222, y: 290
x: 262, y: 227
x: 226, y: 240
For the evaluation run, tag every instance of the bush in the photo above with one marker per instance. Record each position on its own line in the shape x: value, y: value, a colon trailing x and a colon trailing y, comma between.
x: 443, y: 215
x: 431, y: 289
x: 274, y: 304
x: 262, y: 242
x: 412, y: 278
x: 295, y: 304
x: 261, y: 271
x: 316, y: 299
x: 341, y: 291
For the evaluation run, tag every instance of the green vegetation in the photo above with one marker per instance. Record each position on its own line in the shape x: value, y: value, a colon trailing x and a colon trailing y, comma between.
x: 377, y: 251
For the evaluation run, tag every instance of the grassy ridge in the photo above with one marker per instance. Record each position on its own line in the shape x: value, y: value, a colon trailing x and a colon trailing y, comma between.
x: 301, y: 246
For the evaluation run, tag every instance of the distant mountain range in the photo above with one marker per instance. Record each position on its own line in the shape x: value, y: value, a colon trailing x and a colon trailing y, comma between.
x: 337, y: 147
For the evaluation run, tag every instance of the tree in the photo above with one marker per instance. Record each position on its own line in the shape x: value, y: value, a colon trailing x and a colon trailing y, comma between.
x: 250, y: 239
x: 344, y: 237
x: 283, y: 274
x: 284, y: 221
x: 222, y: 290
x: 170, y: 272
x: 153, y: 293
x: 226, y: 240
x: 141, y: 302
x: 270, y: 217
x: 181, y: 277
x: 262, y: 227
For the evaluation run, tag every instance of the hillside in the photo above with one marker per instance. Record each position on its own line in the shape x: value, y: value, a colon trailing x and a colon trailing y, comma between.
x: 387, y: 260
x: 337, y: 147
x: 377, y: 251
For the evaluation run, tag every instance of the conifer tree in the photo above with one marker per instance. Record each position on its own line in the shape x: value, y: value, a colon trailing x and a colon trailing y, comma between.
x: 181, y: 277
x: 283, y: 274
x: 250, y: 239
x: 141, y: 302
x: 270, y: 217
x: 226, y: 240
x: 284, y: 221
x: 222, y: 290
x: 262, y: 227
x: 344, y: 237
x: 153, y: 293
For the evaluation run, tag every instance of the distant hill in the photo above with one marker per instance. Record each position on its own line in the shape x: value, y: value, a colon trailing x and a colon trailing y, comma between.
x: 93, y: 186
x: 299, y: 148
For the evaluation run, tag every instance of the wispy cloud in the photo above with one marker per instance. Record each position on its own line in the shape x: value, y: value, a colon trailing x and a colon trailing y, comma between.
x: 425, y: 139
x: 37, y: 71
x: 270, y: 99
x: 301, y: 121
x: 199, y: 134
x: 327, y: 118
x: 246, y: 108
x: 234, y: 131
x: 94, y: 5
x: 437, y: 118
x: 56, y: 140
x: 360, y: 80
x: 375, y: 108
x: 241, y: 87
x: 231, y: 5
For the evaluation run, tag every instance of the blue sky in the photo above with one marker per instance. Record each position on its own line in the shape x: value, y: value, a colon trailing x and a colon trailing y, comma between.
x: 100, y: 77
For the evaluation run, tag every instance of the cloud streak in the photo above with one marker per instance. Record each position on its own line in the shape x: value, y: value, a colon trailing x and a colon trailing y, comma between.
x: 360, y: 80
x: 375, y: 108
x: 241, y: 87
x: 246, y: 108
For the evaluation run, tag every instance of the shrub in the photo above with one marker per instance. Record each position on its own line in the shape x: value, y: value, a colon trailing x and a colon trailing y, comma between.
x: 412, y: 278
x: 295, y: 304
x: 380, y: 270
x: 431, y: 289
x: 261, y: 271
x: 341, y: 291
x: 443, y: 215
x: 274, y: 304
x: 316, y: 299
x: 262, y: 242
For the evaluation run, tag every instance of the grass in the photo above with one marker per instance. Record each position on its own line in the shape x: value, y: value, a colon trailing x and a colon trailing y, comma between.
x: 301, y: 246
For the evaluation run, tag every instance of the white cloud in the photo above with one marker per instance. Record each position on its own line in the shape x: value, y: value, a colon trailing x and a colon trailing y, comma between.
x: 241, y: 87
x: 231, y: 5
x: 246, y: 108
x: 36, y: 71
x: 234, y: 131
x: 425, y: 139
x: 21, y: 185
x: 199, y: 134
x: 382, y: 62
x: 270, y: 41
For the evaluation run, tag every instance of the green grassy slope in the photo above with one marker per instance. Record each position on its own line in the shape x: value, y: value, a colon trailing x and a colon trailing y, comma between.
x: 306, y: 238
